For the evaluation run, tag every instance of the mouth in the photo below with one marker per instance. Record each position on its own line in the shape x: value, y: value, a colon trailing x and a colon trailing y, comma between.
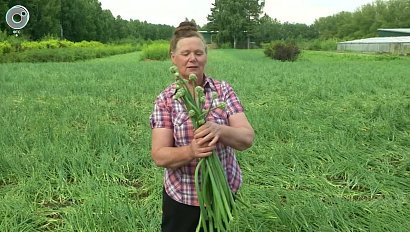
x: 192, y: 67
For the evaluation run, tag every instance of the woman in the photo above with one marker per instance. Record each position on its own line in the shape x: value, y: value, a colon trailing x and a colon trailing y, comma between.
x: 175, y: 144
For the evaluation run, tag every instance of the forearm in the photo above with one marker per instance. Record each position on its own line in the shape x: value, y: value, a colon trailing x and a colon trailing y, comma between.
x: 239, y: 138
x: 172, y: 157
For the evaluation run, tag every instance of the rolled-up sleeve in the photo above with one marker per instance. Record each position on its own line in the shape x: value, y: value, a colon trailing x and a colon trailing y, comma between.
x: 233, y: 105
x: 160, y: 116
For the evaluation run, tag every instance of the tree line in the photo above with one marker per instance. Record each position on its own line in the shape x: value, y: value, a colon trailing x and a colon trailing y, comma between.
x: 365, y: 21
x: 236, y: 20
x: 78, y: 20
x: 239, y: 18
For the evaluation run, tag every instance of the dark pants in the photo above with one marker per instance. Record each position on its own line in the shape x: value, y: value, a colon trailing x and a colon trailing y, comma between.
x: 178, y: 217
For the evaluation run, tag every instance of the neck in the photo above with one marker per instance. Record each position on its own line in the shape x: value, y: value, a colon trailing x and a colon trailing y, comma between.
x: 199, y: 82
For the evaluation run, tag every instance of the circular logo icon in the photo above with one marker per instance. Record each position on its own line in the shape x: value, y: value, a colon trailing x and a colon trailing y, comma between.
x: 17, y: 17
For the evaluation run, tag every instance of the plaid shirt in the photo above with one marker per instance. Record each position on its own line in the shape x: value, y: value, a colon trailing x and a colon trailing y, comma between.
x: 168, y: 113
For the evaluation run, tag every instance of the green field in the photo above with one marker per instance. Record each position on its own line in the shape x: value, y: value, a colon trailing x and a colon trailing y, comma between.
x: 331, y: 152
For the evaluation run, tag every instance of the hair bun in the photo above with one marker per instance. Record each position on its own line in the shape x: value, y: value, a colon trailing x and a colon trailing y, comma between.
x: 185, y: 27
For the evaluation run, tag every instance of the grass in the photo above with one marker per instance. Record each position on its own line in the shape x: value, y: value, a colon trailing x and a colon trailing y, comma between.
x: 331, y: 151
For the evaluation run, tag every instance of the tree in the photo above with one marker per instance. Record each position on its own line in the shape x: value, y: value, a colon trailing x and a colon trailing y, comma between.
x: 45, y: 19
x: 267, y: 30
x: 73, y: 19
x: 234, y: 19
x: 3, y: 10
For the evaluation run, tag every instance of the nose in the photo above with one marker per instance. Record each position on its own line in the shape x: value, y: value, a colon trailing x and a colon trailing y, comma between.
x: 192, y: 57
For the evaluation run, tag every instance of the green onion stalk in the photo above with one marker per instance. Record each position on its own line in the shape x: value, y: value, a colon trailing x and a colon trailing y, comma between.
x: 216, y: 200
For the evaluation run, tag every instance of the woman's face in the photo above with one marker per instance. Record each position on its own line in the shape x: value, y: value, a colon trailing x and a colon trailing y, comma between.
x: 190, y: 57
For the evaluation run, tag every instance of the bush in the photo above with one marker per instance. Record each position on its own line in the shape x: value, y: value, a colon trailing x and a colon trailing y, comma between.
x: 68, y: 54
x: 27, y: 45
x: 321, y: 45
x: 15, y: 43
x: 3, y: 36
x: 87, y: 44
x: 52, y: 43
x: 155, y: 51
x: 5, y: 47
x: 283, y: 51
x: 65, y: 43
x: 54, y: 50
x: 225, y: 46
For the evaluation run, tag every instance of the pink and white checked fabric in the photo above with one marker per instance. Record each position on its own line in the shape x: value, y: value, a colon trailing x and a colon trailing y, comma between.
x: 171, y: 114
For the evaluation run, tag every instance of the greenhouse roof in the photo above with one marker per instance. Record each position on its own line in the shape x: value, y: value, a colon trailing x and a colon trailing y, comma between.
x: 403, y: 30
x: 398, y: 39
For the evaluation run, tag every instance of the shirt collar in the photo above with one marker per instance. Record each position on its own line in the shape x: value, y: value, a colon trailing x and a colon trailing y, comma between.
x: 209, y: 83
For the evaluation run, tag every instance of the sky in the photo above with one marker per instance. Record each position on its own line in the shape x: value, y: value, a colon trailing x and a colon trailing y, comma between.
x: 173, y: 12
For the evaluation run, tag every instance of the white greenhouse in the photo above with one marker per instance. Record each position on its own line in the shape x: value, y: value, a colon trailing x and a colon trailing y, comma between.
x: 394, y: 45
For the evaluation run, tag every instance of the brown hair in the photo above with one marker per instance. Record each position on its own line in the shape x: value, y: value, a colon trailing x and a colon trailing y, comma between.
x: 185, y: 30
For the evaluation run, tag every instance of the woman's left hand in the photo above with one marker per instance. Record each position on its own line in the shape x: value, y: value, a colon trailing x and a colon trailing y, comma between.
x: 209, y: 132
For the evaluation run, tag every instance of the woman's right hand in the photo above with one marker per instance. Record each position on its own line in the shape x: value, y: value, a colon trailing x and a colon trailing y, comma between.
x: 200, y: 150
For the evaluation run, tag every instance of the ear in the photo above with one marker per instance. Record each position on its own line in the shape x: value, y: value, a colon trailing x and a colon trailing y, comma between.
x: 173, y: 57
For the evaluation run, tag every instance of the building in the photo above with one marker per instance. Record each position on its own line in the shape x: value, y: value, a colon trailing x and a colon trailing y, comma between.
x: 393, y: 32
x: 394, y: 41
x: 209, y: 36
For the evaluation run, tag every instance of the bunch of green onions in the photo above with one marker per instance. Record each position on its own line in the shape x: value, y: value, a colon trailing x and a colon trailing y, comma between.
x: 216, y: 200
